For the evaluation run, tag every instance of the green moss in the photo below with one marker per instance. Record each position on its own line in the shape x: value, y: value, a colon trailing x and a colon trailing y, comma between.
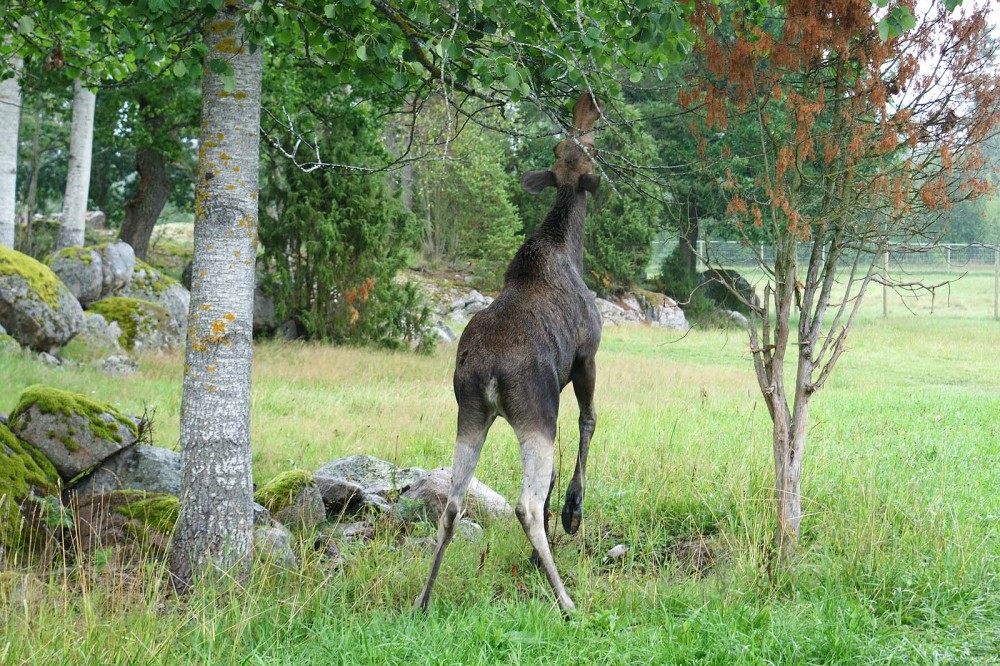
x: 134, y: 316
x: 147, y: 279
x: 85, y: 255
x: 68, y: 442
x: 157, y: 511
x: 41, y: 278
x: 282, y: 490
x: 49, y: 400
x: 23, y: 469
x: 9, y: 345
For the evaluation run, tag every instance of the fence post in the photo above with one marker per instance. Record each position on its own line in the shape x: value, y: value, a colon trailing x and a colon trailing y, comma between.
x: 885, y: 283
x: 947, y: 260
x: 996, y: 281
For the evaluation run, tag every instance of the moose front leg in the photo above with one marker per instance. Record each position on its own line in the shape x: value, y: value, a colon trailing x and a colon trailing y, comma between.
x: 583, y: 378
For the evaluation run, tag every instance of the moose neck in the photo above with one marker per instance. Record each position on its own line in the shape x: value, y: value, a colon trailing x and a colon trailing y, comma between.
x: 565, y: 222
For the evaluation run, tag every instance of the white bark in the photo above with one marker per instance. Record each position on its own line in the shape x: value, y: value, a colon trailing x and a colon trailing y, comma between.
x: 10, y: 122
x: 215, y: 528
x: 78, y: 176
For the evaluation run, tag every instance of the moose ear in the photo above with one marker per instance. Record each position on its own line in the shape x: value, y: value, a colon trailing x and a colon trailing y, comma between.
x: 534, y: 182
x: 588, y: 182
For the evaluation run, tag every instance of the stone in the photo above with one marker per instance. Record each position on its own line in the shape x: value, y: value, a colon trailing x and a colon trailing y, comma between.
x: 96, y: 271
x: 665, y: 313
x: 261, y: 516
x: 36, y: 308
x: 147, y: 468
x: 618, y: 552
x: 374, y: 475
x: 24, y: 471
x: 145, y: 326
x: 148, y: 284
x: 339, y: 495
x: 47, y: 358
x: 736, y: 317
x: 287, y: 331
x: 305, y: 513
x: 98, y: 334
x: 95, y: 219
x: 72, y: 431
x: 469, y: 530
x: 293, y: 499
x: 442, y: 332
x: 119, y: 365
x: 132, y: 523
x: 264, y: 311
x: 357, y: 531
x: 718, y: 285
x: 274, y: 544
x: 426, y: 499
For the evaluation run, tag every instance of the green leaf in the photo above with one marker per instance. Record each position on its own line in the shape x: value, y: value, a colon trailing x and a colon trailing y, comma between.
x: 635, y: 76
x: 26, y: 25
x: 362, y: 53
x: 907, y: 21
x: 180, y: 69
x: 883, y: 29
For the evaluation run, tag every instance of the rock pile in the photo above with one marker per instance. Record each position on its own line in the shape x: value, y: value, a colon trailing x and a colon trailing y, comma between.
x: 77, y: 472
x: 129, y: 305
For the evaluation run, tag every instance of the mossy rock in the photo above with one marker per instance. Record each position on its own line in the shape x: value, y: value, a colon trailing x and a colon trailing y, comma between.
x: 74, y: 432
x: 35, y: 306
x: 133, y: 523
x: 149, y: 284
x: 23, y: 470
x: 281, y: 491
x: 94, y: 272
x: 144, y: 325
x: 294, y: 500
x: 8, y: 344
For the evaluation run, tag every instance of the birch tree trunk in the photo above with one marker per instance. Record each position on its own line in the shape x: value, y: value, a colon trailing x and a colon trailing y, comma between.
x: 78, y: 176
x: 214, y: 533
x: 10, y: 122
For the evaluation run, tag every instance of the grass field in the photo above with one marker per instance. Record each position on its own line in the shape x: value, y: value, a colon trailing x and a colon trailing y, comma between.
x: 900, y: 551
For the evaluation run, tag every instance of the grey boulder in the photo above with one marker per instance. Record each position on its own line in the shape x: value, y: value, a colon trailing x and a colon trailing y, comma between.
x: 374, y: 475
x: 75, y: 433
x: 146, y: 468
x: 274, y: 544
x: 36, y: 308
x: 148, y: 284
x: 426, y: 499
x: 94, y: 272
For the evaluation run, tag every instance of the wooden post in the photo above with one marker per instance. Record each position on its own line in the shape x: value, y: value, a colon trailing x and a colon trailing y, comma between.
x: 885, y: 284
x: 996, y: 281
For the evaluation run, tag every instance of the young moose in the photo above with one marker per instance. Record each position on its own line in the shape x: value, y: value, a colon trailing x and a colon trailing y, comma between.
x: 516, y: 356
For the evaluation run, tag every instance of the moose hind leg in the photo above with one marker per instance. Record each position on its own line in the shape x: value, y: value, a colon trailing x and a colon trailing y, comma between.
x: 536, y: 454
x: 473, y: 424
x: 583, y: 376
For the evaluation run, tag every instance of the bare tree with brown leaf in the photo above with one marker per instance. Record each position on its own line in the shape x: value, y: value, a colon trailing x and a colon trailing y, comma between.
x: 859, y: 142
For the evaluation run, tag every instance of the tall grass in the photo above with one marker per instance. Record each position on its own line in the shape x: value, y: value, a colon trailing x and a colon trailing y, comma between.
x: 899, y: 556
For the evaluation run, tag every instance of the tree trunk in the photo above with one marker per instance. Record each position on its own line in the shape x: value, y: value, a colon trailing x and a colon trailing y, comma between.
x: 10, y: 121
x: 214, y: 533
x: 142, y: 210
x: 689, y: 243
x: 78, y: 175
x: 28, y: 211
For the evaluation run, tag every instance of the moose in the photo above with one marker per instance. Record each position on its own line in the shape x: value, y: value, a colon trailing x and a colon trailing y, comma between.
x: 515, y: 357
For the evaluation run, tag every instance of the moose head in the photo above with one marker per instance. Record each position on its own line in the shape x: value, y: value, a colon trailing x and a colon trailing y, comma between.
x: 574, y: 165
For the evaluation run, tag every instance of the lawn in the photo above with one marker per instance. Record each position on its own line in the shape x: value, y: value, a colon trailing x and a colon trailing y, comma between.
x: 899, y: 558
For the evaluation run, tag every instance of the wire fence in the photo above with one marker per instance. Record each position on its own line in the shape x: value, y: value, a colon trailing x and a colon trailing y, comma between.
x: 944, y: 256
x: 954, y: 260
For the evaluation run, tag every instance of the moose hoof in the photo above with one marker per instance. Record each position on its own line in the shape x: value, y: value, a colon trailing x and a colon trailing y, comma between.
x: 572, y: 514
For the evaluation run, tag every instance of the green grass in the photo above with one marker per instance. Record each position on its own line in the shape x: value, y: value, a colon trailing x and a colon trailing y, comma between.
x: 900, y: 550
